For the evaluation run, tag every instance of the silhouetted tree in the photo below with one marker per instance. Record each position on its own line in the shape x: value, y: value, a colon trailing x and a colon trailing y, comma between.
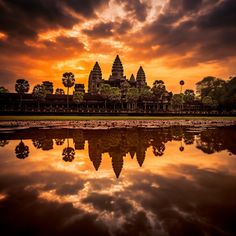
x: 181, y: 82
x: 39, y: 94
x: 48, y: 87
x: 132, y: 97
x: 213, y: 87
x: 207, y: 101
x: 229, y: 97
x: 60, y: 91
x: 158, y: 89
x: 189, y: 96
x: 78, y: 97
x: 68, y: 81
x: 124, y: 87
x: 145, y: 95
x: 21, y: 87
x: 115, y: 95
x: 177, y: 101
x: 3, y: 90
x: 105, y: 91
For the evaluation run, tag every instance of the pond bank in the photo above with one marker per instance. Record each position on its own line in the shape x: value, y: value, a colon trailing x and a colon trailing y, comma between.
x: 110, y: 124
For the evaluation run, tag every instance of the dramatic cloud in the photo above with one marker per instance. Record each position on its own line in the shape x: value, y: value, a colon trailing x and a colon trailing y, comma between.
x: 188, y: 38
x: 205, y: 29
x: 25, y: 18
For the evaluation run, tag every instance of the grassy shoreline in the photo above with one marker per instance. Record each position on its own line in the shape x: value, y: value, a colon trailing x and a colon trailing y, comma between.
x: 78, y: 118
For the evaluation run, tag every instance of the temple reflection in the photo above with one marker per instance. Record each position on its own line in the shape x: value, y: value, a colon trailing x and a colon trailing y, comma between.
x: 120, y: 143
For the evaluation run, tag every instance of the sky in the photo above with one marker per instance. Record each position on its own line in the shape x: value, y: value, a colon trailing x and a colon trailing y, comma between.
x: 171, y: 39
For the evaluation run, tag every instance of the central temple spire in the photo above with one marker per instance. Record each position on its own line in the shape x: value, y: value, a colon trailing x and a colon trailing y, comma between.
x: 117, y: 73
x: 117, y: 68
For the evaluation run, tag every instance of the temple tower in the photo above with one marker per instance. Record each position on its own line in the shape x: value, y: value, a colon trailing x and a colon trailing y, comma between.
x: 141, y: 78
x: 132, y: 81
x: 117, y: 75
x: 95, y: 78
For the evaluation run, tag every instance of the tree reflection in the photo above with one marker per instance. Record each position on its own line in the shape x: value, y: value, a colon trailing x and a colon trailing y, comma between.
x: 181, y: 148
x: 22, y: 151
x: 43, y: 143
x: 68, y: 153
x: 158, y: 149
x: 59, y: 141
x: 3, y: 143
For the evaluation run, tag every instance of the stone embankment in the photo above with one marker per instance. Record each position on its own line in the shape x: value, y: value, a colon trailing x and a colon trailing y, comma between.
x: 108, y: 124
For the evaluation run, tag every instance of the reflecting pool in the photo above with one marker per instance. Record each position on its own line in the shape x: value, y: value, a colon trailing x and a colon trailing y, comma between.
x: 170, y: 181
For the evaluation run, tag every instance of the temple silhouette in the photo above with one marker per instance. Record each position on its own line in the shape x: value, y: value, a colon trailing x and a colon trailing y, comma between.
x: 116, y: 79
x: 120, y: 144
x: 93, y: 101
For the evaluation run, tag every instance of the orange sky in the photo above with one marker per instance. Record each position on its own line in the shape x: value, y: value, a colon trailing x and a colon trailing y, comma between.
x: 172, y: 40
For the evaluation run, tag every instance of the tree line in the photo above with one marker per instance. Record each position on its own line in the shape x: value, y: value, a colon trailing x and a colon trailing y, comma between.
x: 212, y: 93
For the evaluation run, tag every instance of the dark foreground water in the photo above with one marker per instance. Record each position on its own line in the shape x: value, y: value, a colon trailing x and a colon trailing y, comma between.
x: 170, y: 181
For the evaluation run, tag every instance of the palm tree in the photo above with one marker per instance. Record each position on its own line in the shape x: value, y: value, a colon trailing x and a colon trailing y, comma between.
x: 39, y: 94
x: 68, y: 81
x: 68, y: 153
x: 181, y: 82
x: 22, y: 151
x: 60, y: 91
x: 21, y: 87
x: 78, y: 97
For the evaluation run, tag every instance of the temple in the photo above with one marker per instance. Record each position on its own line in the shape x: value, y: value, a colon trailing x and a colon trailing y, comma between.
x: 116, y: 79
x: 134, y: 96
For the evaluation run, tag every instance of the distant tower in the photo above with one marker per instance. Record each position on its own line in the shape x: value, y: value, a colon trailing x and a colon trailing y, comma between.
x: 95, y: 78
x: 141, y: 78
x: 117, y: 75
x: 132, y: 81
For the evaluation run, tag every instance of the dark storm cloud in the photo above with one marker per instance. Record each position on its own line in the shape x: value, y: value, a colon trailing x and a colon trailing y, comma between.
x: 136, y: 8
x: 205, y: 27
x: 25, y: 18
x: 63, y: 47
x: 107, y: 29
x: 86, y: 7
x: 100, y: 30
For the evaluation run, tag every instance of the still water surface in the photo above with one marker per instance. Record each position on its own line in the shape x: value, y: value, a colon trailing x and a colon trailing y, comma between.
x: 170, y: 181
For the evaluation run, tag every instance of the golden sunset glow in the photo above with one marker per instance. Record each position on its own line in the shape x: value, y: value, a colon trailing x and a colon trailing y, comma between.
x: 172, y: 40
